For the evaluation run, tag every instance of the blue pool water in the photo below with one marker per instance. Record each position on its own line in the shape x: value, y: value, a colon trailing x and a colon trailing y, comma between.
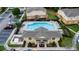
x: 34, y: 25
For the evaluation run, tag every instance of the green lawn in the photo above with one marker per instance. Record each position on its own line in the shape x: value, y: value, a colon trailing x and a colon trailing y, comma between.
x: 2, y: 48
x: 66, y: 42
x: 14, y: 45
x: 74, y: 27
x: 51, y: 15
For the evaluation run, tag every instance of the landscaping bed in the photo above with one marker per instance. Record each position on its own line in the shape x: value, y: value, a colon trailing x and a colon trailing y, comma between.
x: 14, y: 45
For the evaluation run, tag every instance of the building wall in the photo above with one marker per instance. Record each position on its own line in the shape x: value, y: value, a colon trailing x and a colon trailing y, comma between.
x: 34, y: 17
x: 70, y: 21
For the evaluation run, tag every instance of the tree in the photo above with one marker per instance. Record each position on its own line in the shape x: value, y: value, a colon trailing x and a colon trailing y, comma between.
x: 17, y: 25
x: 55, y: 8
x: 16, y: 12
x: 3, y: 9
x: 29, y: 44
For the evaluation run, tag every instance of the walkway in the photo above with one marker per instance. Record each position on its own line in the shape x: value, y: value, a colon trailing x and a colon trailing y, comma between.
x: 71, y: 30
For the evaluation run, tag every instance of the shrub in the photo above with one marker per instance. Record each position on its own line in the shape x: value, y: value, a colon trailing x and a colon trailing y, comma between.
x: 24, y: 44
x: 60, y: 43
x: 53, y: 44
x: 55, y: 8
x: 3, y: 9
x: 31, y: 44
x: 17, y: 25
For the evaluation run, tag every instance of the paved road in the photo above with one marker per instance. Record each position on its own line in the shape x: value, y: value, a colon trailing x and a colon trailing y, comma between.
x: 4, y: 35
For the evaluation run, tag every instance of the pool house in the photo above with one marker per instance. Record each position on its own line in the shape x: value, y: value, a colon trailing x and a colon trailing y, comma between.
x: 39, y: 33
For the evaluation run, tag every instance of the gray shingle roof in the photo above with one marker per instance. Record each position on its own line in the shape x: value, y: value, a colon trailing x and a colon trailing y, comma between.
x: 42, y: 32
x: 71, y: 12
x: 30, y: 9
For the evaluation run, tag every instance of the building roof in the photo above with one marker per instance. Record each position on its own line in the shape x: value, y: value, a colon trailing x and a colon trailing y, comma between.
x: 71, y: 12
x: 42, y: 32
x: 32, y: 11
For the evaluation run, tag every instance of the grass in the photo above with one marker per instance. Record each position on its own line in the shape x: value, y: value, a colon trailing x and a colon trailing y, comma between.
x: 66, y: 42
x: 2, y: 48
x: 74, y: 27
x: 14, y: 45
x: 52, y: 15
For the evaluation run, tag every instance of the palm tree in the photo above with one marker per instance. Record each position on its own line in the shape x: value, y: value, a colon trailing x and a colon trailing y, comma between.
x: 17, y: 25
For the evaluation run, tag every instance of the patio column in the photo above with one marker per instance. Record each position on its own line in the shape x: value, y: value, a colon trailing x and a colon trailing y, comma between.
x: 37, y: 45
x: 56, y: 41
x: 45, y: 45
x: 57, y: 44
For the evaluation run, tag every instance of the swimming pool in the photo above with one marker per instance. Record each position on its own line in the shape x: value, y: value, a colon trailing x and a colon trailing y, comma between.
x: 31, y: 26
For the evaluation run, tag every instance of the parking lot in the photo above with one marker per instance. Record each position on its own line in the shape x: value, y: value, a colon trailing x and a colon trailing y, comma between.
x: 4, y: 34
